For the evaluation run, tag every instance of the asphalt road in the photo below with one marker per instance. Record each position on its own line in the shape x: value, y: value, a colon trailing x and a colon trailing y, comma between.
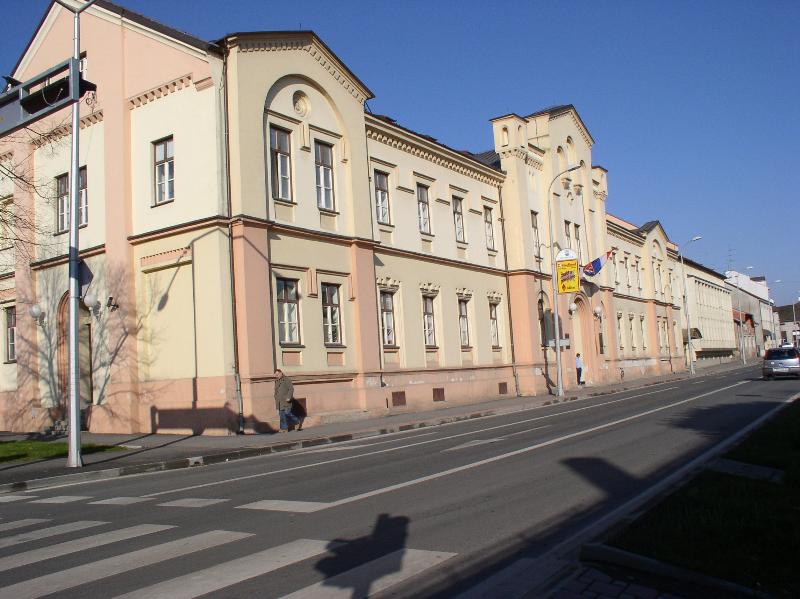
x: 428, y: 512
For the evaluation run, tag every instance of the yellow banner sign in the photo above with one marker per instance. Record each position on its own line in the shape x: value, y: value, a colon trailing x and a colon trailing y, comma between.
x: 567, y: 273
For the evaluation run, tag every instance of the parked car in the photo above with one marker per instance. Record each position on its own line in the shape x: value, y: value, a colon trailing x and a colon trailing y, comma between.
x: 783, y: 361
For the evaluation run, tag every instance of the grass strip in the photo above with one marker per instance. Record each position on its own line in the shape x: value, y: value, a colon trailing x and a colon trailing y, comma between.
x: 42, y: 450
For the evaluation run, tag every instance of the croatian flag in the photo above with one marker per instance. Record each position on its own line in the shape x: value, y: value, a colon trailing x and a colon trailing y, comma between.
x: 594, y: 266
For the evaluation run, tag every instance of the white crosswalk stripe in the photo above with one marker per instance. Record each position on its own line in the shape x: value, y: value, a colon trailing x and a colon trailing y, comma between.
x: 120, y: 501
x: 373, y: 577
x: 191, y: 502
x: 51, y: 531
x: 10, y: 498
x: 21, y: 523
x: 232, y: 572
x: 104, y: 568
x: 61, y: 499
x: 53, y: 551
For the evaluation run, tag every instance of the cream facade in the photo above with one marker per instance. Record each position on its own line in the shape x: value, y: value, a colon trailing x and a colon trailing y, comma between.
x: 243, y: 213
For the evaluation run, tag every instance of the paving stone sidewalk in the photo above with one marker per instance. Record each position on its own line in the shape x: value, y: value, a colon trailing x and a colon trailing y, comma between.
x: 594, y: 583
x: 177, y: 451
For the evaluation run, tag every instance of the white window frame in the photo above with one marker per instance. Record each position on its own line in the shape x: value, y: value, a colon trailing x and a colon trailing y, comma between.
x: 388, y: 329
x: 463, y: 321
x: 62, y: 203
x: 288, y: 318
x: 567, y: 234
x: 331, y: 313
x: 11, y: 333
x: 164, y: 171
x: 423, y: 209
x: 488, y: 226
x: 537, y: 248
x: 323, y: 167
x: 458, y: 219
x: 382, y: 208
x: 83, y: 197
x: 643, y: 330
x: 281, y: 163
x: 429, y: 320
x: 493, y: 324
x: 578, y: 243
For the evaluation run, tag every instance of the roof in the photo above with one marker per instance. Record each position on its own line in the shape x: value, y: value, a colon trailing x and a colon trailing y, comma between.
x: 559, y: 110
x: 489, y: 158
x: 142, y: 20
x: 704, y: 268
x: 481, y: 158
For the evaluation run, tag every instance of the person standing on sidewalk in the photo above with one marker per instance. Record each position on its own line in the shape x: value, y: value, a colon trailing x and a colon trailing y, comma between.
x: 579, y: 367
x: 284, y: 393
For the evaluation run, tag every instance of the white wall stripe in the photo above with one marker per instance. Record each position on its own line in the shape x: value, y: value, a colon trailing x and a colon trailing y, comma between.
x: 223, y: 575
x: 373, y: 577
x: 59, y: 549
x: 22, y: 523
x: 50, y: 531
x: 73, y: 577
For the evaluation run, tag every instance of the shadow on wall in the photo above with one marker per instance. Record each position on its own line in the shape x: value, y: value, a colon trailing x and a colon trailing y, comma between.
x: 200, y: 420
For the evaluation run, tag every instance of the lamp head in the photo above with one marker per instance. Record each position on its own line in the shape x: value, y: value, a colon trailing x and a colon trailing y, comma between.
x: 90, y: 301
x: 36, y: 311
x: 696, y: 238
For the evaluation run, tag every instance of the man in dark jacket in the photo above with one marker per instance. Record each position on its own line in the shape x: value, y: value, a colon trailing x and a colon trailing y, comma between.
x: 284, y: 392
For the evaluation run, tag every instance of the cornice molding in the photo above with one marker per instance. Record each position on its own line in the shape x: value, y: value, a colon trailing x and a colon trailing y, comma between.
x: 405, y: 144
x: 430, y: 288
x: 160, y: 91
x: 320, y: 54
x: 578, y: 125
x: 63, y: 130
x: 494, y: 296
x: 387, y: 283
x: 530, y: 158
x: 464, y: 292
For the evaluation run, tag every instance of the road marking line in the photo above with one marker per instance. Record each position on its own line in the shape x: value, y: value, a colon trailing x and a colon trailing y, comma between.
x: 192, y: 502
x: 232, y: 572
x: 56, y: 551
x: 22, y: 523
x: 390, y: 449
x: 61, y: 499
x: 473, y: 443
x: 281, y: 505
x: 342, y: 446
x: 10, y: 498
x: 50, y: 531
x: 91, y: 572
x: 376, y: 576
x: 120, y: 501
x: 517, y: 452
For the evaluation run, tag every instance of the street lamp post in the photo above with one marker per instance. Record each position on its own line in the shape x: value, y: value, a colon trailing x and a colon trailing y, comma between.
x: 74, y: 459
x: 686, y: 303
x: 557, y: 328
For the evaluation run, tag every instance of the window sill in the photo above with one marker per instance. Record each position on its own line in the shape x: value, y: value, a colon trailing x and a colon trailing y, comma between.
x: 466, y: 348
x: 427, y: 236
x: 292, y: 346
x: 327, y: 211
x: 462, y: 245
x: 492, y: 251
x: 431, y: 348
x: 284, y: 202
x: 389, y: 226
x: 56, y: 234
x: 10, y: 361
x: 335, y: 346
x: 391, y: 348
x: 498, y: 347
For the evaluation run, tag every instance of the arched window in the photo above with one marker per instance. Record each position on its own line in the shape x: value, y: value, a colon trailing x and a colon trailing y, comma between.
x: 504, y: 136
x: 571, y: 156
x: 562, y: 159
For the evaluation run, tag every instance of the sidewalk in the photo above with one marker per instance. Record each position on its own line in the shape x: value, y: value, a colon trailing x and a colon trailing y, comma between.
x: 154, y: 452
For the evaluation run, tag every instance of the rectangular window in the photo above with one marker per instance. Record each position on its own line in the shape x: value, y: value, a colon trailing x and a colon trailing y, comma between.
x: 428, y: 324
x: 323, y: 160
x: 537, y: 248
x: 567, y: 234
x: 495, y: 330
x: 578, y: 244
x: 331, y: 319
x: 288, y: 321
x: 458, y: 219
x: 6, y: 223
x: 489, y: 227
x: 633, y: 335
x: 620, y: 333
x: 387, y: 319
x: 11, y: 334
x: 463, y: 321
x: 280, y: 151
x: 627, y: 271
x: 164, y: 166
x: 643, y: 330
x: 423, y: 209
x: 83, y: 199
x: 382, y: 197
x: 62, y: 203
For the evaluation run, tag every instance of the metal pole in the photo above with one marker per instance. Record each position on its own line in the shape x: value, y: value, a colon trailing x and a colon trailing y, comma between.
x: 74, y: 459
x: 560, y: 383
x: 794, y: 324
x: 741, y: 320
x: 688, y: 322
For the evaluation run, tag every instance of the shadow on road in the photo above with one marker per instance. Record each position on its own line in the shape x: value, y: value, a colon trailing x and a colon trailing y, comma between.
x: 385, y: 544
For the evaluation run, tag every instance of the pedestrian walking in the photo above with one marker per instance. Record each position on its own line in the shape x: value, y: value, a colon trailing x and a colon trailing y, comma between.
x: 579, y: 367
x: 284, y: 396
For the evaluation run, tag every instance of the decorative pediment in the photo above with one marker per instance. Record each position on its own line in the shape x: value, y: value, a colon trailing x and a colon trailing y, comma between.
x: 494, y: 297
x: 464, y: 293
x: 430, y: 288
x: 387, y: 284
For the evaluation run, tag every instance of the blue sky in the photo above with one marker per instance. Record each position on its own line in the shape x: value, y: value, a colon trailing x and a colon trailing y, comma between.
x: 693, y: 105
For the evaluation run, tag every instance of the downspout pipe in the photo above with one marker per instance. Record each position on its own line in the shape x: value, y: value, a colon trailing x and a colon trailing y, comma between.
x: 234, y: 320
x: 508, y: 293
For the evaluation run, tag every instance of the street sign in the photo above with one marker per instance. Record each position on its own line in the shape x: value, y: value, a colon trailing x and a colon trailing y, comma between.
x: 567, y: 276
x: 41, y: 96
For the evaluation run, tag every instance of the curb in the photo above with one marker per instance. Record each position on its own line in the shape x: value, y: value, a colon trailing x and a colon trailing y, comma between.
x: 598, y: 552
x: 251, y: 452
